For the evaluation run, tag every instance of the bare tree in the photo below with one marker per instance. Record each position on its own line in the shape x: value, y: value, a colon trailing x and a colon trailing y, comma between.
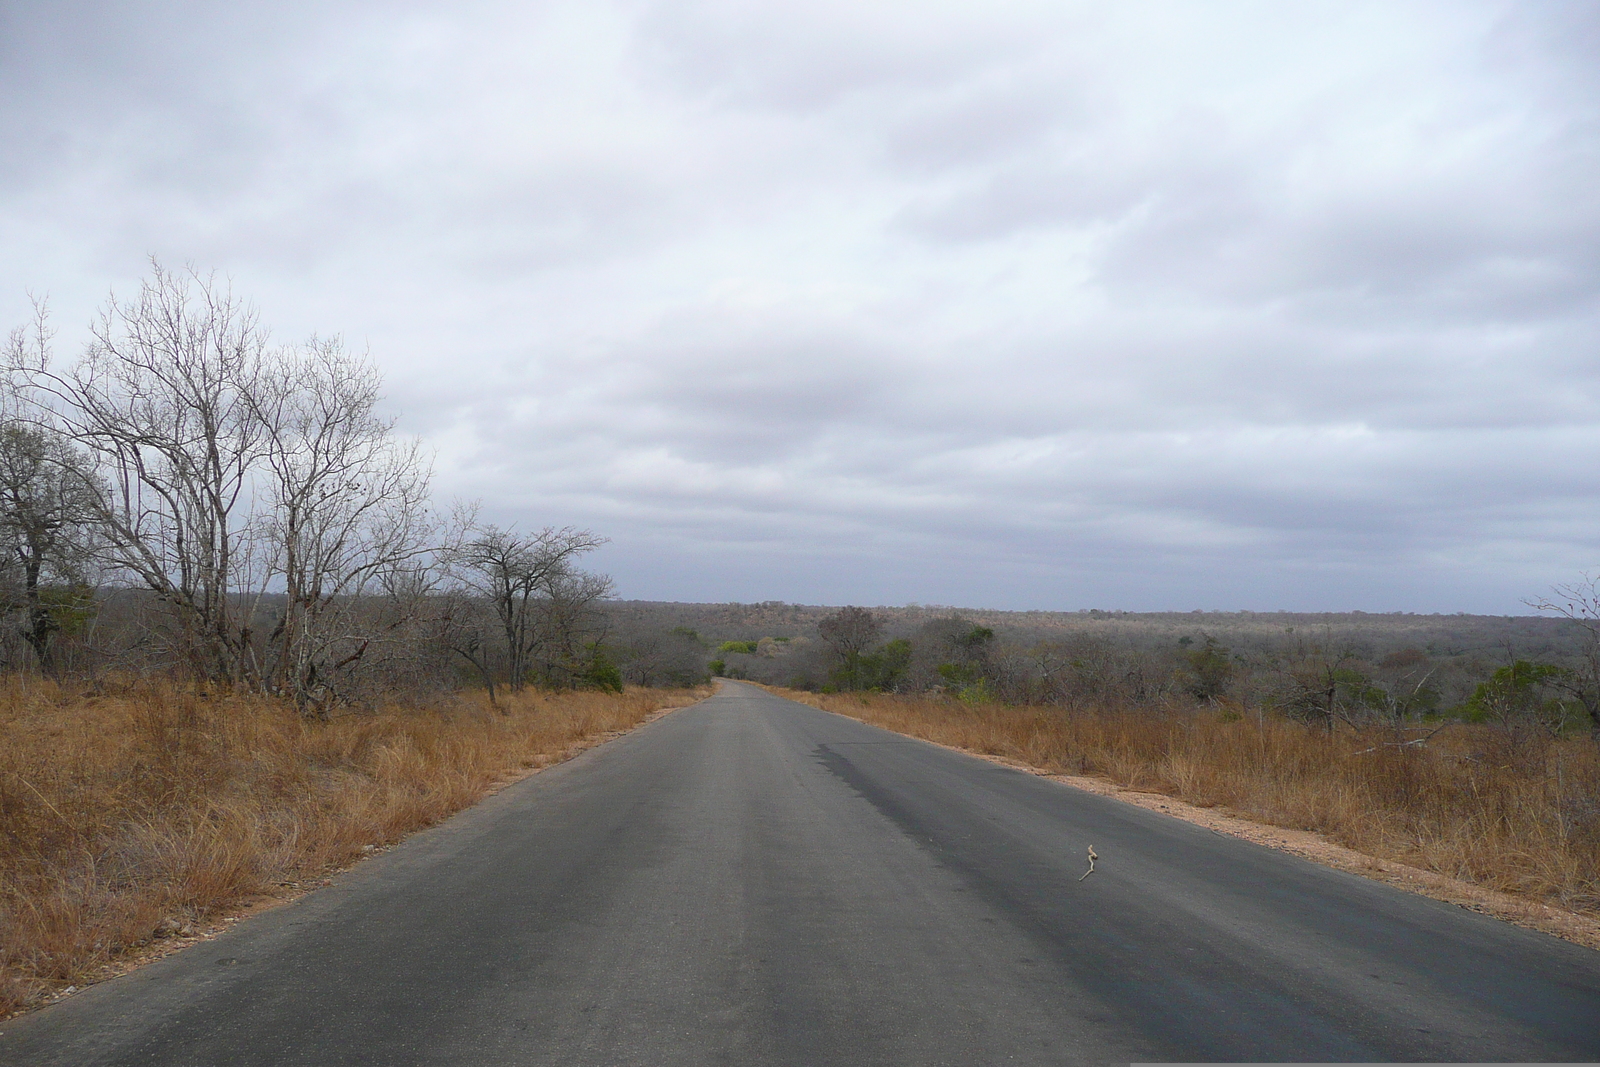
x: 1083, y: 669
x: 1319, y: 682
x: 162, y: 400
x: 231, y: 473
x: 541, y: 603
x: 570, y: 631
x: 466, y: 627
x: 46, y: 531
x: 1402, y: 686
x: 346, y: 515
x: 1579, y: 603
x: 850, y: 632
x: 658, y: 655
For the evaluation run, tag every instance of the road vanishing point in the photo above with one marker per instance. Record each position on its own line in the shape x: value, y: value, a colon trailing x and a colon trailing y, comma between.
x: 753, y: 881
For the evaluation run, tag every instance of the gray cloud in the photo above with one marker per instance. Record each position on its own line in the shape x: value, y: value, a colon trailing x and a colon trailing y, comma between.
x: 1020, y: 304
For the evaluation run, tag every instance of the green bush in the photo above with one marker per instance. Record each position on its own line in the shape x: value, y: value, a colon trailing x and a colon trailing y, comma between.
x: 883, y: 668
x: 959, y: 674
x: 1210, y: 670
x: 600, y: 672
x: 1525, y: 693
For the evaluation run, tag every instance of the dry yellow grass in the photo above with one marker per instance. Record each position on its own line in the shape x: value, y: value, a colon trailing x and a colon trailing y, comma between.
x: 1516, y: 814
x: 136, y: 814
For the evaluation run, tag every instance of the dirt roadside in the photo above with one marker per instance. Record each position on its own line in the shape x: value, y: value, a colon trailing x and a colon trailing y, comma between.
x: 1567, y: 925
x: 1571, y: 926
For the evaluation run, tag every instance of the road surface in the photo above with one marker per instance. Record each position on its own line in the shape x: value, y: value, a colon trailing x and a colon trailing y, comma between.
x: 752, y: 881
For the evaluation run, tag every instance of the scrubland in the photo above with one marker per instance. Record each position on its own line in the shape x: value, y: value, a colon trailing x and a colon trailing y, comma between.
x: 1507, y: 809
x: 131, y: 814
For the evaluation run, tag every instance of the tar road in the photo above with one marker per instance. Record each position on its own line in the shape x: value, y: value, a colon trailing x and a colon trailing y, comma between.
x: 752, y: 881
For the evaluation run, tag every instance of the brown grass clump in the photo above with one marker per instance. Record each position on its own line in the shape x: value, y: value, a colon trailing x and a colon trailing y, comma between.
x: 139, y: 813
x: 1513, y: 812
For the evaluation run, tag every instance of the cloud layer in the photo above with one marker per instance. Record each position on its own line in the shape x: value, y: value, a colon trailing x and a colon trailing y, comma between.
x: 1045, y: 305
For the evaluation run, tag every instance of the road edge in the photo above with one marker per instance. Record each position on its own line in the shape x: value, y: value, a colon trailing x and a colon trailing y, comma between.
x: 1575, y: 927
x: 280, y: 895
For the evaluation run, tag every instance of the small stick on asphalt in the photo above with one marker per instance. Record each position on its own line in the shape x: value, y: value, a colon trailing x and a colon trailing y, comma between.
x: 1092, y: 858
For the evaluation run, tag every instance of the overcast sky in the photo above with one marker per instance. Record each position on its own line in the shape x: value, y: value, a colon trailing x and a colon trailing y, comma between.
x: 1027, y: 305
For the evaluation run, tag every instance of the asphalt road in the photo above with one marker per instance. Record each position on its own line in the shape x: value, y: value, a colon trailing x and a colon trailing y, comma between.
x: 753, y: 881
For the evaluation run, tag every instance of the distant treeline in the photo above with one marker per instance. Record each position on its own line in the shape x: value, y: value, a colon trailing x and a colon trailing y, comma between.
x: 189, y: 498
x: 1538, y: 672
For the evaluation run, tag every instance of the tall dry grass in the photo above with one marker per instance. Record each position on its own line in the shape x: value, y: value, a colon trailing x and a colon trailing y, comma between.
x: 131, y: 815
x: 1512, y: 811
